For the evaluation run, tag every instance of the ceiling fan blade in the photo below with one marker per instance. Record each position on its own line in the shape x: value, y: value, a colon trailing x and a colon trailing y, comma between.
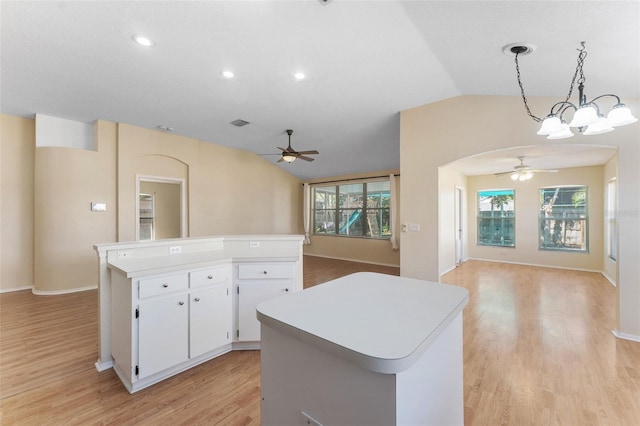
x: 280, y: 160
x: 302, y: 157
x: 504, y: 173
x: 281, y: 149
x: 308, y: 152
x: 543, y: 171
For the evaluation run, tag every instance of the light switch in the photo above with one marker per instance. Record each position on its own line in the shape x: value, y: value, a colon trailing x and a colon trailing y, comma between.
x: 98, y: 207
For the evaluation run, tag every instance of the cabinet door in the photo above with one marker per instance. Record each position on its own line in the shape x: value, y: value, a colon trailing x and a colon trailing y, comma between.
x: 249, y: 296
x: 163, y: 334
x: 210, y: 320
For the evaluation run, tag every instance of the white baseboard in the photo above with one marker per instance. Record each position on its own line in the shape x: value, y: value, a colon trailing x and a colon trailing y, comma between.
x: 537, y: 265
x: 67, y: 291
x: 9, y: 290
x: 611, y: 280
x: 626, y: 336
x: 352, y: 260
x: 102, y: 366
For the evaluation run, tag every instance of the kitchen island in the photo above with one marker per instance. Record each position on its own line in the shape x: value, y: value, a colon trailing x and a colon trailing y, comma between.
x: 365, y: 349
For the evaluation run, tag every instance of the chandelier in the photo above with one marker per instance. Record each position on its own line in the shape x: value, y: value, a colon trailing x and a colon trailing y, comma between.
x: 587, y: 115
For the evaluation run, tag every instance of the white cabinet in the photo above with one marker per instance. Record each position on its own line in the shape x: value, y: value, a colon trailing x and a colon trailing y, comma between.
x: 163, y: 324
x: 210, y: 320
x: 255, y: 283
x: 163, y: 334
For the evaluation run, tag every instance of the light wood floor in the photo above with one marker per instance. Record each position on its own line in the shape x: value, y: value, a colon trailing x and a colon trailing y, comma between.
x: 537, y: 351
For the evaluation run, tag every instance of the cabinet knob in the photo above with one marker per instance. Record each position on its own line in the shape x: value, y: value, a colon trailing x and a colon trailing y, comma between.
x: 286, y: 289
x: 181, y: 303
x: 264, y: 272
x: 210, y: 277
x: 165, y: 285
x: 197, y: 299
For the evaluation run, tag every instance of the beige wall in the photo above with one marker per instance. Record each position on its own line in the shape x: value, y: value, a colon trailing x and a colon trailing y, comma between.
x: 67, y: 180
x: 17, y: 145
x: 432, y: 136
x: 357, y: 249
x: 229, y: 192
x: 527, y: 205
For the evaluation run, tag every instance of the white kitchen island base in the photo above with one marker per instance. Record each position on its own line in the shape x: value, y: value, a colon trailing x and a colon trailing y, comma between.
x: 328, y: 358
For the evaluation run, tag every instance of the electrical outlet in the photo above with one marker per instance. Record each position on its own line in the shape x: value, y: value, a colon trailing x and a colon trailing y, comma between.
x: 175, y: 249
x: 414, y: 227
x: 125, y: 254
x: 254, y: 244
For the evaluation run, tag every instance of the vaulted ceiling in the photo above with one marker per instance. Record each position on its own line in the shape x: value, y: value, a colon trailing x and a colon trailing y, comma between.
x: 364, y: 62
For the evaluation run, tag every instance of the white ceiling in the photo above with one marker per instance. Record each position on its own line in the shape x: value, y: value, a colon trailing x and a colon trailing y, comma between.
x: 365, y: 61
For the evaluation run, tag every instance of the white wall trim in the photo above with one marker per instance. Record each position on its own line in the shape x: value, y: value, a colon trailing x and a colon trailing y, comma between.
x: 353, y: 260
x: 9, y: 290
x: 537, y: 265
x: 451, y: 268
x: 626, y: 336
x: 611, y: 280
x: 66, y: 291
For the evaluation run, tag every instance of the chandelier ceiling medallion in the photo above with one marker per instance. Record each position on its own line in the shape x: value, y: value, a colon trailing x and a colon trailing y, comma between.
x: 588, y: 118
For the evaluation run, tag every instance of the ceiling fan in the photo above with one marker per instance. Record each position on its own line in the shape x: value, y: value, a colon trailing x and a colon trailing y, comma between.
x: 289, y: 154
x: 523, y: 172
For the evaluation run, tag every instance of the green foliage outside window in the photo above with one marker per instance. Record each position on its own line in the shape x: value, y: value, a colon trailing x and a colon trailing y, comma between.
x: 496, y: 218
x: 563, y: 219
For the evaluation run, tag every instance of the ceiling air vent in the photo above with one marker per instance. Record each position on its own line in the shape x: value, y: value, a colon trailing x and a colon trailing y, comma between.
x: 239, y: 122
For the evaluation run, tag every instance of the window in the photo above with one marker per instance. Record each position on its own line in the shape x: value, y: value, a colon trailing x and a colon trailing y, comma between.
x: 352, y: 210
x: 496, y: 218
x: 612, y: 242
x: 563, y: 219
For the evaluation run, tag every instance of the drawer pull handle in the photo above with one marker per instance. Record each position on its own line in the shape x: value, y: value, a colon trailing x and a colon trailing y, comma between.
x: 181, y: 303
x: 210, y: 277
x: 165, y: 285
x: 197, y: 299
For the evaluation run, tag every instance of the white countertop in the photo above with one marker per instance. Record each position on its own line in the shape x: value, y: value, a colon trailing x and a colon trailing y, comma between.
x: 381, y: 322
x: 135, y: 267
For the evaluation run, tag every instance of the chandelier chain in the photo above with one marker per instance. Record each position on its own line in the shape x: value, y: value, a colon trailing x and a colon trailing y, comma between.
x: 524, y: 98
x: 581, y: 57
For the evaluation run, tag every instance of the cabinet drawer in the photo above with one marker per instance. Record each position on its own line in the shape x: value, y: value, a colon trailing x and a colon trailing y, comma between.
x: 163, y: 285
x: 265, y: 271
x: 216, y: 275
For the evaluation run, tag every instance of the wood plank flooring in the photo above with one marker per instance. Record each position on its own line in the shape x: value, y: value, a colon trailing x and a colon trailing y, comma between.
x: 537, y: 350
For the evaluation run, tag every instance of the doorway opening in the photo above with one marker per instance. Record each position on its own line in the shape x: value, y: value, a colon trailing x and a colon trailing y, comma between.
x: 160, y: 208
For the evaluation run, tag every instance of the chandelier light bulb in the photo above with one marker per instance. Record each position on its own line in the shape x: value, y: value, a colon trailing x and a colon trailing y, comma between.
x: 564, y: 133
x: 620, y: 115
x: 602, y: 126
x: 584, y: 116
x: 551, y: 124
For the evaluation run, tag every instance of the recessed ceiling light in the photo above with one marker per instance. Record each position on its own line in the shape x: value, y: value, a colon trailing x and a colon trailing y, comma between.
x: 142, y: 40
x: 299, y: 75
x: 227, y: 74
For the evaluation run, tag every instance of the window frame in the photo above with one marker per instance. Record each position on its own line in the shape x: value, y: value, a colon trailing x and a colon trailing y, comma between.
x: 365, y: 210
x: 585, y: 220
x: 503, y: 218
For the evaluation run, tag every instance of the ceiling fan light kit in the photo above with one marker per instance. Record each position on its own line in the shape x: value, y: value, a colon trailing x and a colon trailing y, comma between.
x: 522, y: 172
x: 587, y: 116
